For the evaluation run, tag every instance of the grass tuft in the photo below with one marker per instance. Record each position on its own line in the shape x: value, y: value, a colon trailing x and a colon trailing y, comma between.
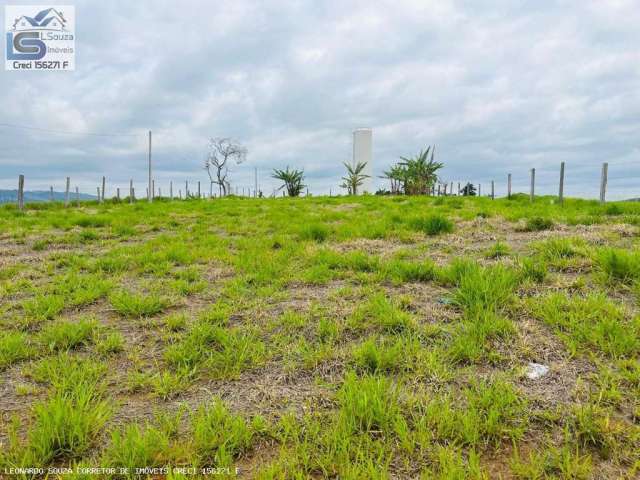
x: 434, y: 224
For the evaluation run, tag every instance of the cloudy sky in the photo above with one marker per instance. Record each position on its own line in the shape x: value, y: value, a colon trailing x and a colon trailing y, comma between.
x: 499, y: 86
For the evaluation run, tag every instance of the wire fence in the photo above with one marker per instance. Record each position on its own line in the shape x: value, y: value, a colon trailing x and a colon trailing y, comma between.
x: 174, y: 191
x: 536, y: 181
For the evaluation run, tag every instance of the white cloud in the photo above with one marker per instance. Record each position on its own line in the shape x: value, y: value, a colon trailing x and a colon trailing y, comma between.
x: 498, y: 86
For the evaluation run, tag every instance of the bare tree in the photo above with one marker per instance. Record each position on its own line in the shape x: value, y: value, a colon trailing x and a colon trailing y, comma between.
x: 222, y: 152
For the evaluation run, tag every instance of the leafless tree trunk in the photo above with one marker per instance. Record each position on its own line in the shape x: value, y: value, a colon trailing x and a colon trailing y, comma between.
x: 223, y: 151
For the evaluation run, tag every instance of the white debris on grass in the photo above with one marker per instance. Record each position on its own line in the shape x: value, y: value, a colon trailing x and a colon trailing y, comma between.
x: 536, y: 370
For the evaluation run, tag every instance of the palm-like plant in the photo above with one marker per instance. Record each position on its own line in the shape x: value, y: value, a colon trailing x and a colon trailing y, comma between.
x: 397, y: 176
x: 292, y: 180
x: 421, y: 172
x: 354, y: 178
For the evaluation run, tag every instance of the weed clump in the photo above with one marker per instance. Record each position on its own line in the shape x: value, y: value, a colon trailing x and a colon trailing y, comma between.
x: 132, y: 305
x: 432, y: 225
x: 537, y: 224
x: 316, y: 232
x: 619, y: 265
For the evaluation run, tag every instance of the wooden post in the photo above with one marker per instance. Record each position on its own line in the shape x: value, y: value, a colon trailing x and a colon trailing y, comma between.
x: 533, y: 184
x: 149, y: 187
x: 493, y: 191
x: 509, y: 186
x: 103, y: 185
x: 171, y: 190
x: 66, y: 192
x: 51, y: 194
x: 180, y: 194
x: 118, y: 193
x: 99, y: 196
x: 77, y: 197
x: 131, y: 190
x: 458, y: 189
x: 21, y: 192
x: 199, y: 189
x: 603, y: 182
x: 186, y: 189
x: 561, y: 187
x: 479, y: 189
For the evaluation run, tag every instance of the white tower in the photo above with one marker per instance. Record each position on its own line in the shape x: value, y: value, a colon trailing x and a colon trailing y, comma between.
x: 363, y: 152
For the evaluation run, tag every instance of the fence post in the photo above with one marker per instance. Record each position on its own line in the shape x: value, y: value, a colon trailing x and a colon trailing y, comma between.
x: 479, y: 189
x: 603, y: 182
x: 533, y: 184
x: 51, y: 193
x: 493, y: 192
x: 186, y: 189
x: 131, y: 190
x: 561, y: 187
x: 180, y: 194
x: 458, y: 189
x: 21, y: 192
x: 77, y: 197
x: 103, y: 185
x: 118, y: 193
x: 99, y: 196
x: 66, y: 192
x: 199, y: 189
x: 171, y: 190
x: 509, y: 186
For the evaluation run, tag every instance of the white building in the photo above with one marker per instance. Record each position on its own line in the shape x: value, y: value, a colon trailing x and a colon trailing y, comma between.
x: 363, y: 152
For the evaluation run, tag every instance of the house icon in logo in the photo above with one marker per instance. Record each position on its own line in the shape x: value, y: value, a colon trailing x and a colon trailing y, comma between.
x: 49, y: 19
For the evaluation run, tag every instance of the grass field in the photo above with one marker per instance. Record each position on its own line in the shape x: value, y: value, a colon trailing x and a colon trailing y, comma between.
x: 361, y: 337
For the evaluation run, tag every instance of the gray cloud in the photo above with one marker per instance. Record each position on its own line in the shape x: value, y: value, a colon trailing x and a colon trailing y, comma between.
x: 498, y: 86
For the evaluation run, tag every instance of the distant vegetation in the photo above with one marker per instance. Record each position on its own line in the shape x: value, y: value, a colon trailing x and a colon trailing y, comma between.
x: 416, y: 175
x: 292, y: 180
x: 355, y: 178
